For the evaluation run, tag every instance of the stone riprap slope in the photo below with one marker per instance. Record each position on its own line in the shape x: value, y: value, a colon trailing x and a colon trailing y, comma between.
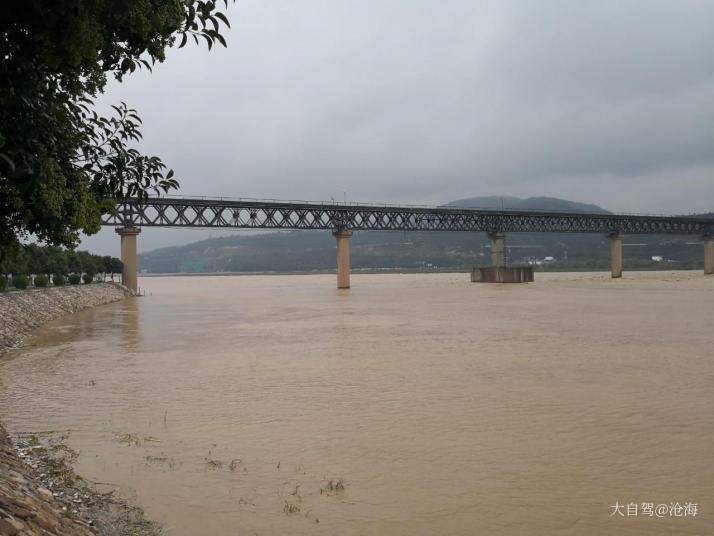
x: 26, y: 507
x: 22, y: 312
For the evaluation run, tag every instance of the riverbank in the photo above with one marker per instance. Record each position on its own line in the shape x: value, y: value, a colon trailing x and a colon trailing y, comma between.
x: 26, y: 506
x: 40, y: 494
x: 39, y: 491
x: 22, y: 312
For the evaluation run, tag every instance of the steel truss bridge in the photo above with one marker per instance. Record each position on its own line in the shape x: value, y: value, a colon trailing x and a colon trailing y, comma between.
x: 252, y: 214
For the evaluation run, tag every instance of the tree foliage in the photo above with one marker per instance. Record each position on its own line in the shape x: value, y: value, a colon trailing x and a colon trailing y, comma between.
x: 62, y: 164
x: 48, y: 260
x: 20, y: 282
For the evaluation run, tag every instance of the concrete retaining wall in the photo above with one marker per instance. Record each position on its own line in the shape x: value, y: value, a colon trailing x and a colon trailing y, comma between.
x: 23, y: 311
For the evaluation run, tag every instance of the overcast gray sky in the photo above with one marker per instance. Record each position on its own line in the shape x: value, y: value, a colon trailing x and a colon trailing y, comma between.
x: 415, y: 101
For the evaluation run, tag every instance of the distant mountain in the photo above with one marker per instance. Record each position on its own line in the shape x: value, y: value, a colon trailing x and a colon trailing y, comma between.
x: 490, y: 202
x: 531, y: 203
x: 315, y: 250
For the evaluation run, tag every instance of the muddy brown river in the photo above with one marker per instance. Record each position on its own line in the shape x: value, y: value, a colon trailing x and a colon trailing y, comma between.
x: 408, y: 405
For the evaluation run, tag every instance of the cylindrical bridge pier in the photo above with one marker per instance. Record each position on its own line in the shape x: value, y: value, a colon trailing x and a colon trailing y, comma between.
x: 709, y: 255
x: 343, y: 257
x: 498, y: 248
x: 128, y: 256
x: 615, y: 254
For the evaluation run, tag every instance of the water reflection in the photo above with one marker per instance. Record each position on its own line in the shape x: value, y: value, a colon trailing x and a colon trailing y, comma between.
x: 129, y: 319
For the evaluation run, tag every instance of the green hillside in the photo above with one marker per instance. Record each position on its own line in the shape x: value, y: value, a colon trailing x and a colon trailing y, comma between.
x: 531, y: 203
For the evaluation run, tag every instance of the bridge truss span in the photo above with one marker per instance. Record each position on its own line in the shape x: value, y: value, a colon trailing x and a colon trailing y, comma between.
x: 236, y: 214
x: 342, y: 219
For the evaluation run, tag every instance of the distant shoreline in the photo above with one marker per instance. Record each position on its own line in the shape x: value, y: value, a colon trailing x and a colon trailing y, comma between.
x: 408, y: 271
x: 309, y: 272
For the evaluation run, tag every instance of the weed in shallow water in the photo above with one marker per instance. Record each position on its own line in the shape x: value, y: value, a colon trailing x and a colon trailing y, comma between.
x: 235, y: 463
x: 333, y: 487
x: 134, y: 440
x: 127, y: 439
x: 213, y: 465
x: 163, y: 461
x: 290, y: 508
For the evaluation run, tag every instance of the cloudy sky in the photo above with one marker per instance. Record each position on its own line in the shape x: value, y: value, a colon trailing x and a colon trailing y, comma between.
x: 416, y: 101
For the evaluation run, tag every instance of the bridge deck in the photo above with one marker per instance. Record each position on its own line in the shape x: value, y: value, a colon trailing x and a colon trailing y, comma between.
x: 244, y: 214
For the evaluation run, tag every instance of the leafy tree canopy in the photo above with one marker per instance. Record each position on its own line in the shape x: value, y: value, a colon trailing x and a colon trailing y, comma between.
x: 62, y: 165
x: 34, y: 259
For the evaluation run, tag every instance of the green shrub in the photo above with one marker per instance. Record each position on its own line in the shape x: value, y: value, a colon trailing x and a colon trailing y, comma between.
x: 40, y: 281
x: 20, y: 282
x: 88, y: 278
x: 74, y: 279
x: 3, y: 283
x: 58, y: 280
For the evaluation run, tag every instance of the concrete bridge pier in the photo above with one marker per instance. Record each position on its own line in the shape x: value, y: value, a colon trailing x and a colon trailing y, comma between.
x: 128, y: 256
x: 615, y: 254
x: 498, y: 249
x: 343, y: 257
x: 709, y: 255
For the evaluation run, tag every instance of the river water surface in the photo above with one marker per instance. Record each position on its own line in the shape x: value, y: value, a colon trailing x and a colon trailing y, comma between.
x: 410, y: 404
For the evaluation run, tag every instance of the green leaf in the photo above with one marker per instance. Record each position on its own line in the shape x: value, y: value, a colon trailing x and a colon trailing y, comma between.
x: 223, y: 18
x: 9, y: 161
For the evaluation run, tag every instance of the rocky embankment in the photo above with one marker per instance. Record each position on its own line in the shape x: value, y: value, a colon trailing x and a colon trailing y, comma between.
x: 41, y: 495
x: 22, y: 312
x: 26, y: 506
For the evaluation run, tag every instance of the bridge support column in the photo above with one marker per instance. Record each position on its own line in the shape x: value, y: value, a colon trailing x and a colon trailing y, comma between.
x: 615, y: 254
x: 498, y: 248
x: 343, y: 257
x: 128, y: 256
x: 709, y: 255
